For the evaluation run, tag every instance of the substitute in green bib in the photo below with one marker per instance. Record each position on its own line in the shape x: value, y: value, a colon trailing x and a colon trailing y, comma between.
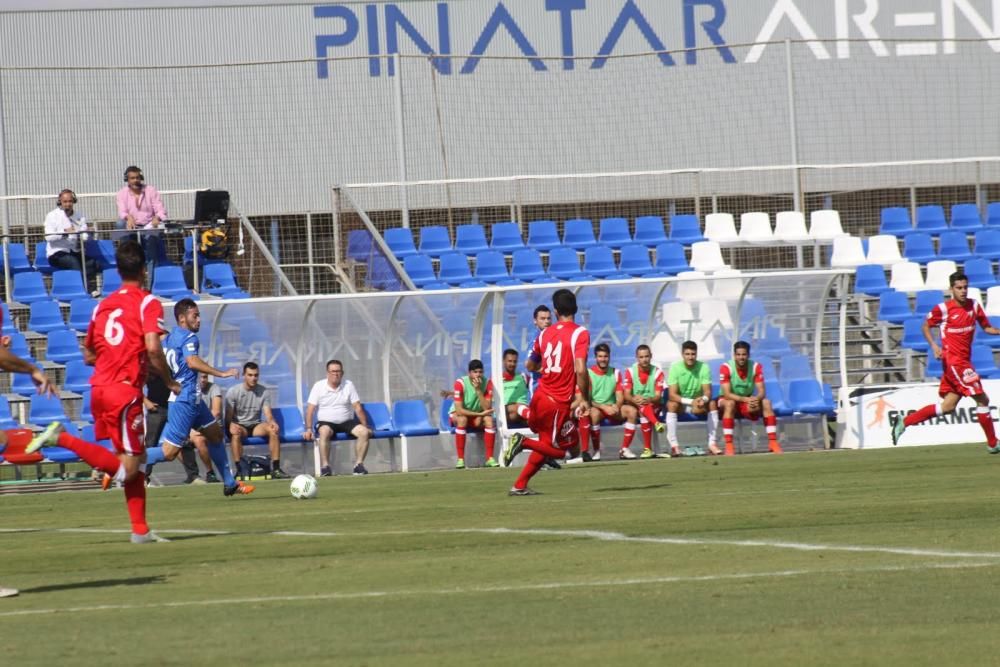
x: 473, y: 409
x: 607, y: 401
x: 515, y: 391
x: 689, y: 390
x: 741, y: 385
x: 643, y: 384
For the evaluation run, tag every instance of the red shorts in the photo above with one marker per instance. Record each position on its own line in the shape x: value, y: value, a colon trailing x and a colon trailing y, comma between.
x: 547, y: 419
x: 118, y: 415
x: 470, y: 424
x: 960, y: 378
x: 743, y: 412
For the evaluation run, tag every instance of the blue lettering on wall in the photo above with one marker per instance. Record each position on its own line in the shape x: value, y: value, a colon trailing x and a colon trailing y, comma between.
x: 711, y: 28
x: 566, y: 9
x: 371, y: 11
x: 630, y: 14
x: 395, y: 19
x: 324, y: 42
x: 502, y: 17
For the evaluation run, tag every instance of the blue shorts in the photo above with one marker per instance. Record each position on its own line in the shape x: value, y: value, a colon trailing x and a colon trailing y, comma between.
x: 182, y: 417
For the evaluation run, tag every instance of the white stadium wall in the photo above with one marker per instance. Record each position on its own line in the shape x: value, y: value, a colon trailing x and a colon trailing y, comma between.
x: 169, y: 88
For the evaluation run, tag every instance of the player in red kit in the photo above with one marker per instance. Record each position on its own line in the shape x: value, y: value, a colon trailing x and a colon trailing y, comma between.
x: 123, y: 339
x: 957, y: 320
x: 560, y: 354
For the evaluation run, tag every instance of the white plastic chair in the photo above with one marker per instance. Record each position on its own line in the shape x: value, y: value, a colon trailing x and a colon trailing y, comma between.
x: 790, y: 226
x: 938, y: 273
x: 883, y: 249
x: 674, y: 313
x: 706, y: 256
x: 992, y: 301
x: 906, y: 277
x: 756, y: 228
x: 727, y: 289
x: 848, y: 253
x: 664, y: 348
x: 720, y: 227
x: 976, y: 294
x: 825, y: 225
x: 715, y: 313
x: 692, y: 290
x: 708, y: 349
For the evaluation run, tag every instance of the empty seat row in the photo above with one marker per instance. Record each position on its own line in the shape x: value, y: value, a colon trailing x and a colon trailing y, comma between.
x: 789, y: 227
x: 895, y: 220
x: 849, y: 252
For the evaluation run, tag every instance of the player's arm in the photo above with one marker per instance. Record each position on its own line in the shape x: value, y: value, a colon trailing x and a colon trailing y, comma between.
x: 15, y: 364
x: 89, y: 354
x: 582, y: 381
x: 761, y: 392
x: 310, y: 413
x: 726, y: 391
x: 930, y: 339
x: 486, y: 398
x: 458, y: 394
x: 199, y: 365
x: 359, y: 411
x: 706, y: 394
x: 984, y: 321
x: 268, y: 415
x: 158, y: 361
x: 216, y: 407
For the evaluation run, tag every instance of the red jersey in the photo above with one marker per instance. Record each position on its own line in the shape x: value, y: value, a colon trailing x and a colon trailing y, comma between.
x: 725, y: 373
x: 629, y: 382
x: 558, y: 346
x: 117, y: 334
x: 958, y: 325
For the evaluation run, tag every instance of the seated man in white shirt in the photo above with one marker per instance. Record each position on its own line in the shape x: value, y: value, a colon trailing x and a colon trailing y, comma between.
x: 335, y: 403
x: 63, y: 229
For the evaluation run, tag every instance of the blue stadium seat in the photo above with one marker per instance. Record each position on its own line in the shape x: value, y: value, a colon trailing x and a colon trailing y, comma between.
x: 795, y: 367
x: 773, y: 343
x: 913, y: 335
x: 382, y: 276
x: 410, y: 417
x: 78, y: 376
x: 400, y: 242
x: 29, y: 287
x: 506, y: 237
x: 111, y: 280
x: 564, y: 264
x: 987, y: 243
x: 19, y: 345
x: 993, y: 214
x: 218, y: 279
x: 491, y: 267
x: 543, y: 235
x: 806, y: 396
x: 42, y: 258
x: 926, y: 299
x: 420, y: 269
x: 894, y: 307
x: 578, y: 233
x: 870, y: 279
x: 649, y: 230
x: 527, y: 265
x: 614, y: 233
x: 954, y: 245
x: 766, y: 365
x: 470, y: 239
x: 980, y: 273
x: 379, y: 420
x: 930, y: 219
x: 983, y: 361
x: 18, y: 255
x: 359, y: 245
x: 670, y: 258
x: 434, y: 240
x: 919, y: 247
x: 603, y: 318
x: 103, y: 252
x: 895, y: 220
x: 63, y: 346
x: 444, y: 416
x: 599, y: 261
x: 774, y: 393
x: 44, y: 410
x: 22, y: 385
x: 168, y: 282
x: 634, y: 261
x: 685, y: 229
x: 45, y: 317
x: 7, y: 420
x: 68, y: 285
x: 934, y: 368
x: 965, y: 217
x: 86, y: 413
x: 290, y: 424
x: 8, y: 321
x: 454, y: 268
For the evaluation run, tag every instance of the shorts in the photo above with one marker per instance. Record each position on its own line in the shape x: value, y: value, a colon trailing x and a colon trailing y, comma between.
x: 743, y: 410
x: 547, y: 419
x: 474, y: 422
x: 605, y: 418
x: 118, y: 415
x: 960, y: 378
x: 182, y: 417
x: 249, y: 426
x: 343, y: 427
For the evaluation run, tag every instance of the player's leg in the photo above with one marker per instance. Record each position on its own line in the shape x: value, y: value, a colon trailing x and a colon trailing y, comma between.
x: 209, y: 427
x: 490, y: 440
x: 360, y: 448
x: 951, y: 398
x: 270, y: 431
x: 771, y: 425
x: 631, y: 416
x: 236, y: 435
x: 324, y: 434
x: 547, y: 419
x: 729, y: 409
x: 986, y: 421
x: 674, y: 408
x: 713, y: 425
x: 199, y: 443
x: 460, y: 423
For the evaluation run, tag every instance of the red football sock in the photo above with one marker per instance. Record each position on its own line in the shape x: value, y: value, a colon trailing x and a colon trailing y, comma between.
x: 460, y: 442
x: 648, y: 413
x: 93, y: 455
x: 922, y: 414
x: 489, y: 437
x: 536, y: 445
x: 584, y: 427
x: 647, y: 435
x: 629, y: 434
x: 771, y: 424
x: 523, y: 411
x: 135, y: 500
x: 727, y: 430
x: 986, y: 421
x: 533, y: 465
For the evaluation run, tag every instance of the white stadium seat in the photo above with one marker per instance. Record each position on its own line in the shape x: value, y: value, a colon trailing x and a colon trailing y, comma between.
x: 706, y: 256
x: 756, y: 228
x: 906, y: 277
x: 848, y: 253
x: 883, y: 249
x: 938, y: 273
x: 720, y: 227
x: 825, y: 225
x: 790, y: 226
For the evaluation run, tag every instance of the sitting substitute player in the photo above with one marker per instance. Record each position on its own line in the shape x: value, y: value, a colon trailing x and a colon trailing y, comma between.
x: 515, y: 390
x: 607, y: 401
x: 473, y: 408
x: 957, y: 319
x: 689, y: 389
x: 643, y: 384
x: 741, y: 394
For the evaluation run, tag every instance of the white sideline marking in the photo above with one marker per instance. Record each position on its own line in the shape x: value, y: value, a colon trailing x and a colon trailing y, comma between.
x: 490, y: 589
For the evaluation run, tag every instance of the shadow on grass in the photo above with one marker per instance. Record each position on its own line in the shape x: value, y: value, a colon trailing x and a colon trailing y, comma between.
x: 648, y: 487
x: 98, y: 583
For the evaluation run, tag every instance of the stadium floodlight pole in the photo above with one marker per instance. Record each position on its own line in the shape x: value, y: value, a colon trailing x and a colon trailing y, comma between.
x: 397, y: 85
x: 793, y: 130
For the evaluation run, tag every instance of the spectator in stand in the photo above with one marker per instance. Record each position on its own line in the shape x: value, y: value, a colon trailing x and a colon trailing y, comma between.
x: 64, y: 230
x: 473, y: 409
x: 246, y: 404
x: 140, y: 208
x: 335, y: 403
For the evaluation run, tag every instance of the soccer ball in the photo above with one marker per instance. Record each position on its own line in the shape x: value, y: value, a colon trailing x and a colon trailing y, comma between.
x: 304, y: 487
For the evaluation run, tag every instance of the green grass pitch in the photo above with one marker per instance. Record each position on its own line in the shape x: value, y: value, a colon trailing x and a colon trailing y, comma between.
x: 884, y: 557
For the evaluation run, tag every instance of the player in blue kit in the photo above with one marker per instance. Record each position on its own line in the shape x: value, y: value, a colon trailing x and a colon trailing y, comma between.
x: 186, y: 410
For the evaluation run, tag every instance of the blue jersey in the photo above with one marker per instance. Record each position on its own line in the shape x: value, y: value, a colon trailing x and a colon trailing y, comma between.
x: 177, y: 347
